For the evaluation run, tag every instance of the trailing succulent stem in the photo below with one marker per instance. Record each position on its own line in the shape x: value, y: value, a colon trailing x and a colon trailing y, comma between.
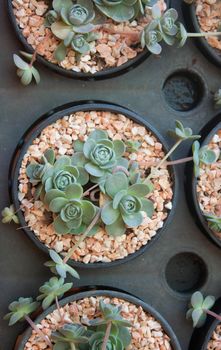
x: 165, y: 27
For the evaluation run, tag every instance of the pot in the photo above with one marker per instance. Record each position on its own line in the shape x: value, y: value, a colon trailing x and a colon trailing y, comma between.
x: 191, y: 182
x: 105, y: 74
x: 36, y: 129
x: 20, y: 344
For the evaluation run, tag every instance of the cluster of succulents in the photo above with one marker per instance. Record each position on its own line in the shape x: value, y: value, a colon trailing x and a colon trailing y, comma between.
x: 73, y: 23
x: 100, y: 161
x: 92, y: 336
x: 163, y: 27
x: 109, y: 331
x: 76, y: 23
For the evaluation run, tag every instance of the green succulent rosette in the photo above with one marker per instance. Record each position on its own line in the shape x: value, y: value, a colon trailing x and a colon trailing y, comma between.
x: 19, y: 309
x: 113, y: 343
x: 99, y: 156
x: 73, y: 24
x: 73, y: 214
x: 51, y: 289
x: 71, y: 336
x: 63, y: 174
x: 120, y: 336
x: 36, y: 170
x: 125, y: 205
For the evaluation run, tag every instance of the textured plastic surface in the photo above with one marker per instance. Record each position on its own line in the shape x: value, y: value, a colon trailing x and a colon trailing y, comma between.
x: 21, y: 263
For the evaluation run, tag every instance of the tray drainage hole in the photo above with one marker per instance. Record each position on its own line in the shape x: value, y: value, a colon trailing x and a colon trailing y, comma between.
x: 183, y: 90
x: 186, y: 273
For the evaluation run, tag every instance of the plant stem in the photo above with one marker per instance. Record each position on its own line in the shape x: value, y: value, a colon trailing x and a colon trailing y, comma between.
x: 211, y: 313
x: 92, y: 224
x: 73, y: 347
x: 107, y: 29
x: 59, y: 309
x: 87, y: 192
x: 38, y: 331
x: 165, y: 158
x: 107, y: 335
x: 180, y: 161
x: 34, y: 56
x: 201, y: 34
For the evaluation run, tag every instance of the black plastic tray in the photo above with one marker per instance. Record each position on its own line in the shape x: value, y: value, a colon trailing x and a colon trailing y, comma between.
x: 21, y: 263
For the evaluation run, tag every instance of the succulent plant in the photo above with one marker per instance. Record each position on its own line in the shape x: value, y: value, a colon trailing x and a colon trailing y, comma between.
x: 119, y: 335
x: 20, y: 309
x: 121, y: 10
x: 182, y: 35
x: 63, y: 174
x: 9, y: 215
x: 54, y: 174
x: 125, y: 204
x: 72, y: 23
x: 73, y: 213
x: 162, y: 27
x: 202, y: 155
x: 199, y: 308
x: 51, y: 17
x: 99, y: 155
x: 214, y: 222
x: 113, y: 343
x: 217, y: 99
x: 26, y: 71
x: 132, y: 146
x: 182, y: 133
x: 52, y: 289
x: 59, y: 267
x: 35, y: 170
x: 70, y: 336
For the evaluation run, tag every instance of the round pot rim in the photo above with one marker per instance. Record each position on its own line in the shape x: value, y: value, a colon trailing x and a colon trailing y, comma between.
x: 207, y: 133
x: 201, y: 336
x: 51, y: 117
x: 112, y: 294
x: 103, y: 74
x: 193, y: 24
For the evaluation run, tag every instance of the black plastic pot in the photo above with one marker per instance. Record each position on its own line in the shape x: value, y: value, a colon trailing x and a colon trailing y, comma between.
x: 192, y: 23
x: 201, y: 336
x: 106, y: 293
x: 105, y: 74
x: 36, y: 129
x: 207, y: 133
